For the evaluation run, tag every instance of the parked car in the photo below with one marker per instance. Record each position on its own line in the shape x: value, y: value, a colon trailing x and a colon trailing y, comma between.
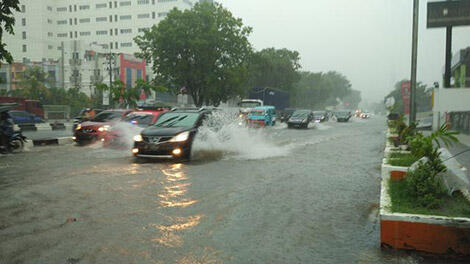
x: 96, y: 128
x: 171, y: 136
x: 262, y: 116
x: 320, y: 116
x: 116, y: 135
x: 23, y: 117
x: 342, y: 116
x: 300, y: 119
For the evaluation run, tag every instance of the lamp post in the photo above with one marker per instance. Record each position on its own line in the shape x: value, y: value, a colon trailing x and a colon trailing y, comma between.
x: 414, y: 61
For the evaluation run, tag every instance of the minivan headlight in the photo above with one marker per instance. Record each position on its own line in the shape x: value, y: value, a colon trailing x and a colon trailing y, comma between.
x: 181, y: 137
x: 138, y: 138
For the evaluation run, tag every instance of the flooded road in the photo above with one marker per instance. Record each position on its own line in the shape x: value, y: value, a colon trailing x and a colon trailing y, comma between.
x: 266, y: 196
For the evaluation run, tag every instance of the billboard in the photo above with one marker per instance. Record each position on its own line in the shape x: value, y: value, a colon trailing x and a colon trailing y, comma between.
x: 448, y: 13
x: 405, y: 93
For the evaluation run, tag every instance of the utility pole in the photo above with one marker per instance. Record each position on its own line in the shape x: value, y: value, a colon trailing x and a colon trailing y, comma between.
x: 414, y: 61
x: 63, y: 64
x: 447, y: 73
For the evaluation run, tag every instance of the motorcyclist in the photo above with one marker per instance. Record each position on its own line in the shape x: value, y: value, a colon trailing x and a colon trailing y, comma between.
x: 6, y: 130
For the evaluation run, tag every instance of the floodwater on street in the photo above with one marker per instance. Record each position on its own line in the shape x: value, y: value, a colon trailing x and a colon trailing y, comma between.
x: 272, y: 195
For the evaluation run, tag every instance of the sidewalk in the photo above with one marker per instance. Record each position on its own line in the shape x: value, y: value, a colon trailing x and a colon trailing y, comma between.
x: 463, y: 145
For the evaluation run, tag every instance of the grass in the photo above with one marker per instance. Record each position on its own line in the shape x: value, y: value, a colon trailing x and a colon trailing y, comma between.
x: 402, y: 160
x: 455, y: 206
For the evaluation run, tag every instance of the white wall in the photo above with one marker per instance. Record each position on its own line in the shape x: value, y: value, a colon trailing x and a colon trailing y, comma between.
x: 449, y: 100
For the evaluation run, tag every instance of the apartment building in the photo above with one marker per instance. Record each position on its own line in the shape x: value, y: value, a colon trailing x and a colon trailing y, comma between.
x: 42, y: 25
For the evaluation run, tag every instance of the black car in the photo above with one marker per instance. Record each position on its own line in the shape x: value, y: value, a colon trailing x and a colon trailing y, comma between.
x: 320, y: 116
x: 300, y: 119
x: 343, y: 116
x: 171, y: 136
x: 286, y: 114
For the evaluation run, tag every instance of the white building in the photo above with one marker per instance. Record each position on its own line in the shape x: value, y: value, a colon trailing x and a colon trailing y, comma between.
x: 42, y: 25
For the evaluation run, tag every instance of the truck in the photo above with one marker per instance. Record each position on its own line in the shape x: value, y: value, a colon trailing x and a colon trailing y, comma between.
x: 30, y: 106
x: 271, y: 96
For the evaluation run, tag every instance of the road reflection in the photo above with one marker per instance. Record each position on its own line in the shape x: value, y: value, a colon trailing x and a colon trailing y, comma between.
x: 175, y: 185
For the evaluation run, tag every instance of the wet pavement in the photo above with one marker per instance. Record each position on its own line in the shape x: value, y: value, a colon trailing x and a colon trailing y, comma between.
x: 258, y: 196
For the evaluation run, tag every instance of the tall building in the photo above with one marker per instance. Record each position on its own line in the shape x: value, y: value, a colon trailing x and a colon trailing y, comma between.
x: 75, y: 37
x: 42, y: 25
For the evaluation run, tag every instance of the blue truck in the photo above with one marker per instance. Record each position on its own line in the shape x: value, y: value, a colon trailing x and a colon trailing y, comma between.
x: 271, y: 96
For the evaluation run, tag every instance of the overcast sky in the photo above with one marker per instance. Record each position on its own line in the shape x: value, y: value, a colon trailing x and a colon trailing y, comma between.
x: 369, y: 41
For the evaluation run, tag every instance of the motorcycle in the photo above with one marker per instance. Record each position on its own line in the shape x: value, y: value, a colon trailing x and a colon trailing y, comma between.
x: 17, y: 141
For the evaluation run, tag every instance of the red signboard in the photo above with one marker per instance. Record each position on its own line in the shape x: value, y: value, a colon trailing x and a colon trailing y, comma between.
x: 405, y: 93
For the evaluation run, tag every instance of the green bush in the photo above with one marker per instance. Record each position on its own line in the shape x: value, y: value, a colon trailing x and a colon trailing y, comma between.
x: 424, y: 186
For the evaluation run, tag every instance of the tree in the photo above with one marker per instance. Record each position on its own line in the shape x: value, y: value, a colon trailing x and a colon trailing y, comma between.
x: 423, y: 99
x: 319, y: 90
x: 128, y: 97
x: 7, y: 21
x: 276, y: 68
x: 33, y: 84
x: 204, y: 50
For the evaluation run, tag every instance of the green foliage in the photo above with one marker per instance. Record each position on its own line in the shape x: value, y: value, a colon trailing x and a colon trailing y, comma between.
x: 33, y: 84
x: 402, y: 202
x: 204, y: 49
x: 319, y: 90
x: 127, y: 97
x: 274, y: 68
x: 423, y: 99
x: 402, y: 160
x: 424, y: 186
x: 7, y: 21
x: 405, y: 133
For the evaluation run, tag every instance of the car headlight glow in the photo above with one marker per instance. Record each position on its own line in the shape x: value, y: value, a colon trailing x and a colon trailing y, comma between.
x: 104, y: 128
x: 138, y: 138
x: 181, y: 137
x: 79, y: 126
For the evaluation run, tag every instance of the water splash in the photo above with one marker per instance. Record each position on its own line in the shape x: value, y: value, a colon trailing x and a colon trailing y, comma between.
x: 222, y: 136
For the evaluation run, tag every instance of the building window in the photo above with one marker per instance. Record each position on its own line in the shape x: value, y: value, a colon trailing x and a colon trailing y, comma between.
x: 76, y: 35
x: 62, y: 35
x: 142, y: 29
x: 84, y: 7
x: 116, y: 32
x: 111, y: 32
x: 111, y: 18
x: 85, y: 33
x: 101, y: 5
x: 153, y: 15
x: 50, y: 47
x: 24, y: 48
x: 75, y: 8
x: 147, y: 15
x: 49, y: 8
x: 125, y: 3
x: 102, y: 32
x: 101, y: 19
x: 84, y: 20
x: 166, y: 1
x: 61, y: 9
x: 110, y: 4
x: 115, y: 4
x: 111, y: 45
x: 126, y: 31
x: 162, y: 14
x: 75, y: 20
x: 142, y: 2
x: 23, y: 8
x: 71, y: 34
x: 49, y: 21
x: 153, y: 2
x: 61, y: 22
x: 50, y: 34
x: 126, y: 44
x: 71, y: 21
x: 23, y: 21
x: 24, y: 34
x: 125, y: 17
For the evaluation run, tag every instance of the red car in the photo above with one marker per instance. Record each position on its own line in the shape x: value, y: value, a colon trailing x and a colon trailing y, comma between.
x: 96, y: 128
x: 122, y: 133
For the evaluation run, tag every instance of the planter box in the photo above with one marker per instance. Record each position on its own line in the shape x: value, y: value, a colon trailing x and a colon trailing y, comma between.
x: 427, y: 233
x: 395, y: 172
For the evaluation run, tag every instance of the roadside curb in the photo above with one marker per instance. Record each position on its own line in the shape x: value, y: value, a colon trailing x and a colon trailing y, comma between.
x: 43, y: 126
x: 49, y: 141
